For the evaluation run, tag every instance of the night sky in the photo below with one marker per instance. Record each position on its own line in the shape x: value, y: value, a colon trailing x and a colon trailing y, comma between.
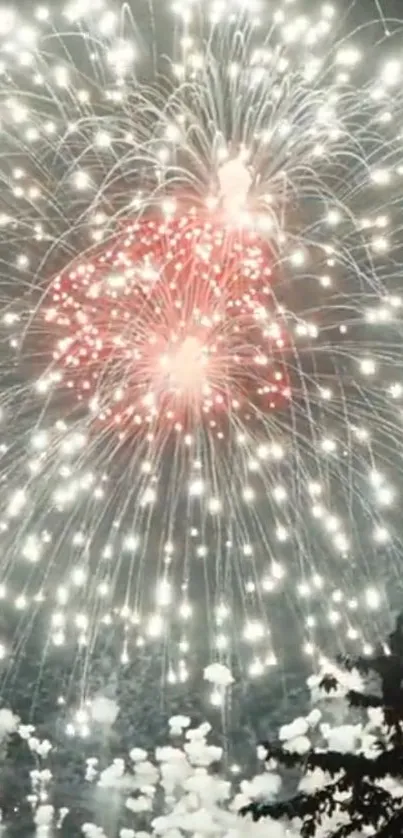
x: 81, y: 572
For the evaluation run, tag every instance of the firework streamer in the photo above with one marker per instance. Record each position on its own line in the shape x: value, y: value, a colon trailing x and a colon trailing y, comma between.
x: 201, y: 340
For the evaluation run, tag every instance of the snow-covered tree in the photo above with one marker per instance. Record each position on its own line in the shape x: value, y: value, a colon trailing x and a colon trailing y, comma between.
x: 336, y: 771
x: 354, y: 785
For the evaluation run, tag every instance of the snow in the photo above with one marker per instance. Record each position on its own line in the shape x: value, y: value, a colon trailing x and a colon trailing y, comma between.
x: 186, y: 790
x: 146, y: 774
x: 112, y: 776
x: 314, y: 717
x: 138, y: 754
x: 43, y: 819
x: 41, y: 748
x: 199, y: 732
x: 344, y: 738
x: 199, y: 753
x: 139, y: 804
x: 313, y: 780
x: 375, y: 716
x: 177, y: 725
x: 208, y: 787
x: 345, y: 681
x: 8, y: 722
x: 264, y: 786
x: 168, y: 754
x: 299, y: 727
x: 299, y: 745
x: 90, y: 830
x: 26, y: 731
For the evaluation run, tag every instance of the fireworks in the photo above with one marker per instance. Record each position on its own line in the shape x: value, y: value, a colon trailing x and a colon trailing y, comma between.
x: 170, y: 326
x: 200, y: 239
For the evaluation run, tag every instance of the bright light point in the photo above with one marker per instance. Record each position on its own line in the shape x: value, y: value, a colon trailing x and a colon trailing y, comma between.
x: 203, y: 400
x: 385, y: 496
x: 40, y: 441
x: 348, y: 56
x: 17, y: 503
x: 368, y: 366
x: 221, y: 642
x: 131, y: 543
x: 79, y: 577
x: 380, y: 244
x: 372, y: 598
x: 396, y: 390
x: 168, y: 206
x: 381, y: 535
x: 391, y: 72
x: 108, y: 23
x: 121, y: 57
x: 216, y: 698
x: 281, y: 533
x: 381, y: 177
x: 214, y: 506
x: 329, y: 446
x: 222, y: 613
x: 149, y: 497
x: 219, y: 675
x: 81, y: 180
x: 164, y: 594
x: 155, y: 626
x: 277, y: 570
x: 20, y: 602
x: 7, y: 20
x: 185, y: 610
x: 333, y: 218
x: 276, y: 451
x: 116, y: 281
x: 32, y: 549
x: 297, y: 258
x: 256, y: 668
x: 103, y: 139
x: 248, y: 494
x: 235, y: 182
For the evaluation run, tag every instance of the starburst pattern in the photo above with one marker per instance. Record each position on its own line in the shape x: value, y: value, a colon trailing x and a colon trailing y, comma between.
x: 200, y: 240
x: 171, y: 326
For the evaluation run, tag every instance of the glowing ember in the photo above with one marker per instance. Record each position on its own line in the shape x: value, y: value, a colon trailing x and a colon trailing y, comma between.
x: 202, y: 337
x: 235, y: 182
x: 188, y: 166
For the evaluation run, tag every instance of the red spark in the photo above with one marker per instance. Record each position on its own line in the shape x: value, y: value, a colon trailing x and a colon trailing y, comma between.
x: 175, y: 321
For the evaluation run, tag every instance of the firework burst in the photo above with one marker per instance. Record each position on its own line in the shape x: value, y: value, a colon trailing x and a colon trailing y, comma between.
x: 170, y: 324
x: 202, y: 335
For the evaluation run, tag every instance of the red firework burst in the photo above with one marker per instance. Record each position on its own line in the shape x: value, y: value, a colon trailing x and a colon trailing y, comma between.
x: 175, y: 321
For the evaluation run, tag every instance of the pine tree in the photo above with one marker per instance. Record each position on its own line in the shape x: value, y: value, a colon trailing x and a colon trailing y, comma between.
x: 363, y: 791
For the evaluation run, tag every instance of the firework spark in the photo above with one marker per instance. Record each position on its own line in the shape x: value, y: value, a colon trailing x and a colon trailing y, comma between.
x: 200, y: 241
x: 171, y: 323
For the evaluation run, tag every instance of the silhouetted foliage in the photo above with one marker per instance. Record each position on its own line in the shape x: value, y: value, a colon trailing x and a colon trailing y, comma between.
x: 354, y: 789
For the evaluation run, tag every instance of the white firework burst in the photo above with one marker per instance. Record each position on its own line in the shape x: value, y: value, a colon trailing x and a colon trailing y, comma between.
x: 201, y: 259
